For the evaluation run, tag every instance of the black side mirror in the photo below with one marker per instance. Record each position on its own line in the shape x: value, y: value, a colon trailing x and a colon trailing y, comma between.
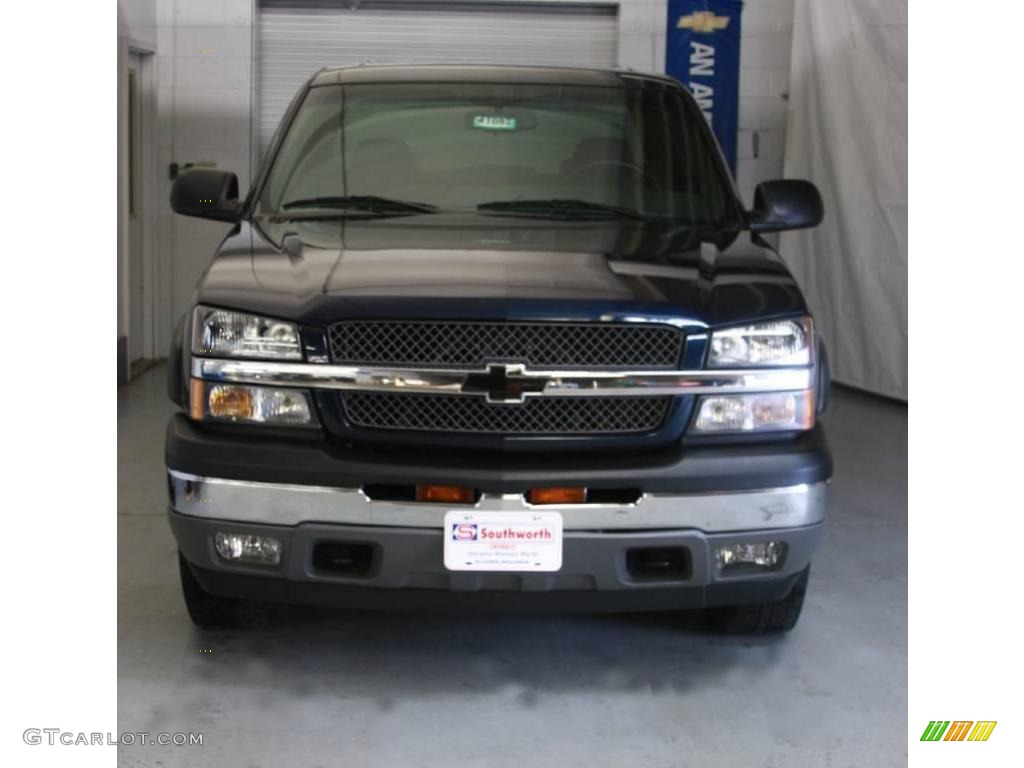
x: 785, y: 204
x: 207, y: 194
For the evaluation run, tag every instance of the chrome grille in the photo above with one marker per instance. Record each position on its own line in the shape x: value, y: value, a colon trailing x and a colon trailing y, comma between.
x: 536, y: 416
x: 451, y: 344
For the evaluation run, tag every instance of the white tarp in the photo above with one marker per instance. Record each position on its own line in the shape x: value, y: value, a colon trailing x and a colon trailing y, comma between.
x: 847, y: 132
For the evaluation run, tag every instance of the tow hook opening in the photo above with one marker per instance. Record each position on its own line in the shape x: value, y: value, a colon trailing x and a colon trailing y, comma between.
x: 343, y: 558
x: 658, y: 563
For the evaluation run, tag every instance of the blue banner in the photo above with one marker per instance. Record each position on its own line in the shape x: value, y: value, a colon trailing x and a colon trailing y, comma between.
x: 703, y: 52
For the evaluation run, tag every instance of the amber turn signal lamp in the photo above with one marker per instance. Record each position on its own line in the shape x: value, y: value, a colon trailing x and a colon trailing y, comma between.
x: 197, y: 400
x: 445, y: 494
x: 221, y: 401
x: 231, y: 402
x: 557, y: 495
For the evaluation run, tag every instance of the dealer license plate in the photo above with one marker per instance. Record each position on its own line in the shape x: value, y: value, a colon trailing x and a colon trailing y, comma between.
x: 502, y: 541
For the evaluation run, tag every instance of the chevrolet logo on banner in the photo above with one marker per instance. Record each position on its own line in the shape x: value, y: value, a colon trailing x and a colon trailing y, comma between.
x: 702, y: 51
x: 703, y: 22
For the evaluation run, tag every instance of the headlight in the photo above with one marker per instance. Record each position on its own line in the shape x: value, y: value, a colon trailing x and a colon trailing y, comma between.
x: 768, y: 412
x: 235, y: 334
x: 783, y: 342
x: 260, y: 405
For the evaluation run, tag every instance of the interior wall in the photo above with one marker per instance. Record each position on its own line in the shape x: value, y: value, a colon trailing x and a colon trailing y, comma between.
x: 136, y: 26
x: 848, y: 134
x: 205, y: 61
x: 765, y: 46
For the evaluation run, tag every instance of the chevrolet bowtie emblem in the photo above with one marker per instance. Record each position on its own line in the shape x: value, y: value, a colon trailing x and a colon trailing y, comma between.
x: 503, y: 384
x: 703, y: 22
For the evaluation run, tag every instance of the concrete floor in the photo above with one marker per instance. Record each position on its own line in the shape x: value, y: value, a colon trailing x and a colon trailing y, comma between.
x: 350, y: 689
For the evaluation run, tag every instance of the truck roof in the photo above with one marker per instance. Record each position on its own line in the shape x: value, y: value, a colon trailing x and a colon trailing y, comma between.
x: 478, y: 73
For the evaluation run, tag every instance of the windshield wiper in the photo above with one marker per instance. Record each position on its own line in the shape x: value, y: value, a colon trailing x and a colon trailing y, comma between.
x: 561, y: 208
x: 370, y: 203
x: 324, y: 214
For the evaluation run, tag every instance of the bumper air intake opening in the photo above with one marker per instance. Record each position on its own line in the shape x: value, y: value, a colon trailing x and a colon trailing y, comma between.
x: 344, y: 558
x: 658, y: 563
x: 614, y: 495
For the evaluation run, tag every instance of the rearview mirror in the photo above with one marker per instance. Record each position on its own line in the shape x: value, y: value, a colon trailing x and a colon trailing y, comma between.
x: 785, y: 204
x: 207, y: 194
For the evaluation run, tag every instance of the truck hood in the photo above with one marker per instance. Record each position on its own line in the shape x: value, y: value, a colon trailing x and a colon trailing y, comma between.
x: 495, y: 268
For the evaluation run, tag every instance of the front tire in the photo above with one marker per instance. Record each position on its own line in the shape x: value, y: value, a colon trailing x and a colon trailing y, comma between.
x: 762, y: 618
x: 206, y: 610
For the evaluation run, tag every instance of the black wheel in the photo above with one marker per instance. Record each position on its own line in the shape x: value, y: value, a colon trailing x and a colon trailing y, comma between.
x: 762, y: 618
x: 208, y: 611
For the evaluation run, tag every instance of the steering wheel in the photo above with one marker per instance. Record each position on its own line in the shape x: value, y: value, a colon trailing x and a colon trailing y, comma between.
x: 621, y: 164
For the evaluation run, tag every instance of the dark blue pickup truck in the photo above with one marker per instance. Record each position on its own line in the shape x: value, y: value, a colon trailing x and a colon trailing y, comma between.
x: 477, y: 339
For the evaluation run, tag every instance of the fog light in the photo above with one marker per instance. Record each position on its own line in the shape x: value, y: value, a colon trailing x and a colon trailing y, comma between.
x: 759, y: 555
x: 246, y: 548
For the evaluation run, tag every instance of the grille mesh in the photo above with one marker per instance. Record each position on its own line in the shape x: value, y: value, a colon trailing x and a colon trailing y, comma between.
x: 429, y: 344
x: 536, y: 416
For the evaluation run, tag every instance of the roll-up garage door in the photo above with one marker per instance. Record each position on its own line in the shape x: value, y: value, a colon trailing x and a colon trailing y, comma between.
x: 298, y: 37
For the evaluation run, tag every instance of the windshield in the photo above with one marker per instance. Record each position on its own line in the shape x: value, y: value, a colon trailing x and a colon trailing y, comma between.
x: 500, y: 149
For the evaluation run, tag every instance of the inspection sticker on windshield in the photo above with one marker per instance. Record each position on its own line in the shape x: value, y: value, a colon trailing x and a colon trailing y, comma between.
x: 495, y: 122
x: 502, y: 541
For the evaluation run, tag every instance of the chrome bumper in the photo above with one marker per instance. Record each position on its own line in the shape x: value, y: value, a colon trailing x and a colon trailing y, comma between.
x: 290, y: 505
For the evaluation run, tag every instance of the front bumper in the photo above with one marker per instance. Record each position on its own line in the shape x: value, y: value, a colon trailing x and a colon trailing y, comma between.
x: 407, y: 570
x: 304, y: 493
x: 408, y: 573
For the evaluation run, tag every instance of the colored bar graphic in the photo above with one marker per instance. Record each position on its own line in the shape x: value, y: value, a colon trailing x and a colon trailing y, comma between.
x: 982, y: 730
x: 958, y: 731
x: 935, y: 730
x: 961, y: 730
